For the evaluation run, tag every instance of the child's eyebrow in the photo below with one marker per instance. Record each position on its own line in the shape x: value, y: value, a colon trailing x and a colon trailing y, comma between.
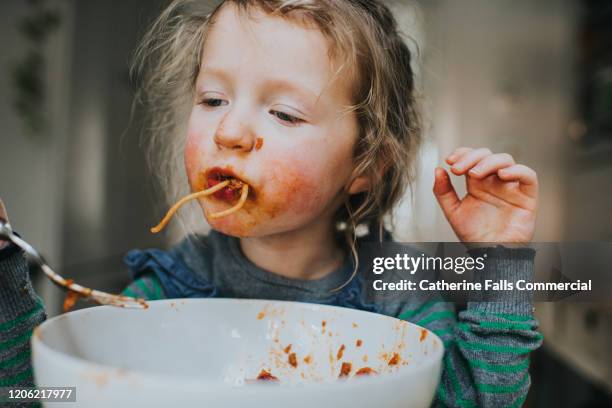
x: 303, y: 92
x: 214, y: 72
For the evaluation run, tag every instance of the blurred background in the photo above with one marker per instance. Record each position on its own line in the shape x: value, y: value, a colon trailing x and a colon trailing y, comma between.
x: 531, y: 78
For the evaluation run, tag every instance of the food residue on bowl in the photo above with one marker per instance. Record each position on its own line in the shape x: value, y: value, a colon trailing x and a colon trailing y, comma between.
x: 292, y: 359
x: 265, y: 375
x: 340, y: 352
x: 423, y: 335
x: 394, y: 360
x: 345, y: 370
x: 358, y: 343
x: 366, y: 371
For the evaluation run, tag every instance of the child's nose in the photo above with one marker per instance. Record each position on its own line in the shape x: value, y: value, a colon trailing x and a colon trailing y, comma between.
x: 233, y: 133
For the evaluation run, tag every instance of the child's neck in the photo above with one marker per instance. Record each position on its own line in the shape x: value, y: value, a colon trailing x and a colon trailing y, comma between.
x: 308, y: 253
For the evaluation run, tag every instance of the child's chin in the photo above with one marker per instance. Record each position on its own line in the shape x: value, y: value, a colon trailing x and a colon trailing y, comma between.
x: 232, y: 225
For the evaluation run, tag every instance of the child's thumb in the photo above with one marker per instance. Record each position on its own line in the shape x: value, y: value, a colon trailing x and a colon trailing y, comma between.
x: 445, y: 192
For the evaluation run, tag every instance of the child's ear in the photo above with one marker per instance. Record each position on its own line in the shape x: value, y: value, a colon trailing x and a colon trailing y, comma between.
x: 364, y: 181
x: 359, y: 184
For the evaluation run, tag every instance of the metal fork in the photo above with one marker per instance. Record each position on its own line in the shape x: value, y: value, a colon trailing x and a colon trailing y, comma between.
x: 35, y: 259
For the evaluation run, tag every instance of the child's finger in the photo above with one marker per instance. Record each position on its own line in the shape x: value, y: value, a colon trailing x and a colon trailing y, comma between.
x: 526, y: 176
x: 445, y: 192
x: 469, y: 160
x: 457, y: 154
x: 491, y: 164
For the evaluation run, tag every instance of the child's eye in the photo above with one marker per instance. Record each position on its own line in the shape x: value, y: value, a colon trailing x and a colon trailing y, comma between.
x: 285, y: 117
x: 213, y: 102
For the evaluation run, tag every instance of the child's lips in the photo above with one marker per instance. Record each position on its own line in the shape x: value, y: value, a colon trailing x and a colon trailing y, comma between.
x: 232, y: 191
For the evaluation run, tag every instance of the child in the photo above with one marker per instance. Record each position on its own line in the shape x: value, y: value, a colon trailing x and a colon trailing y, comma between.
x: 311, y: 104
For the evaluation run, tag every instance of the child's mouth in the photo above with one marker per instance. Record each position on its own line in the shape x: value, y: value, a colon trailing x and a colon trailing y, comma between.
x: 229, y: 193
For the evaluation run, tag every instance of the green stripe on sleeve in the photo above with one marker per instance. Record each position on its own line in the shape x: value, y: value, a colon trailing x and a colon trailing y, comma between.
x: 507, y: 316
x: 537, y: 336
x: 443, y: 332
x: 147, y: 286
x: 493, y: 347
x: 447, y: 314
x: 129, y: 292
x: 159, y: 294
x: 425, y: 306
x: 498, y: 326
x: 519, y: 402
x: 499, y: 368
x: 503, y: 389
x: 20, y: 319
x: 453, y: 377
x: 144, y: 288
x: 16, y: 379
x: 15, y: 360
x: 16, y: 341
x: 514, y: 317
x: 506, y: 325
x: 442, y: 392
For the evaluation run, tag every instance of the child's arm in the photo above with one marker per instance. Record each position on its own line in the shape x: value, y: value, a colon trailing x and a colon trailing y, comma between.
x: 493, y: 337
x: 147, y: 287
x: 486, y: 359
x: 21, y: 310
x: 495, y: 334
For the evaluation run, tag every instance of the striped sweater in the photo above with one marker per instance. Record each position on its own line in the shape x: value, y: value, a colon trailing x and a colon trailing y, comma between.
x: 488, y: 343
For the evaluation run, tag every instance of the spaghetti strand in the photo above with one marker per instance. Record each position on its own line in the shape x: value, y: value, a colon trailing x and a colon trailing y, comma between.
x: 243, y: 196
x: 162, y: 224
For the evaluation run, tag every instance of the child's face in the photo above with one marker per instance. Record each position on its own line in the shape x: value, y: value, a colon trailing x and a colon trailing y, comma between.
x: 268, y: 110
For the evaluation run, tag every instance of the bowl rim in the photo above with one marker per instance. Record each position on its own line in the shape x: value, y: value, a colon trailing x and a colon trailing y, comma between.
x: 40, y: 347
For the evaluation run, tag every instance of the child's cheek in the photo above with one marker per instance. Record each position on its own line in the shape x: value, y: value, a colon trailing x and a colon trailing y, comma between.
x: 291, y: 189
x: 288, y: 198
x: 193, y: 157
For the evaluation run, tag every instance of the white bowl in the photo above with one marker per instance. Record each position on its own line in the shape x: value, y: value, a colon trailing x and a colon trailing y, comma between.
x: 204, y: 352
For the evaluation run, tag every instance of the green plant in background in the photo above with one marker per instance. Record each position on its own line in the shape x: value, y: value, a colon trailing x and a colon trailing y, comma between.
x: 28, y: 74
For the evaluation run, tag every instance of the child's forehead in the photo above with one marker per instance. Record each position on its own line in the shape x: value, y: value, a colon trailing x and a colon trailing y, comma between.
x: 339, y: 43
x: 267, y: 41
x: 255, y: 24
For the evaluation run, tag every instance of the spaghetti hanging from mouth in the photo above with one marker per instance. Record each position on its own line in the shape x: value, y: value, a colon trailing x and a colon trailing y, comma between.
x: 243, y: 196
x: 217, y: 187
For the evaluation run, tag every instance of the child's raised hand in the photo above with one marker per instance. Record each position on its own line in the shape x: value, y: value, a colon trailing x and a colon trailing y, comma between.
x: 501, y: 200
